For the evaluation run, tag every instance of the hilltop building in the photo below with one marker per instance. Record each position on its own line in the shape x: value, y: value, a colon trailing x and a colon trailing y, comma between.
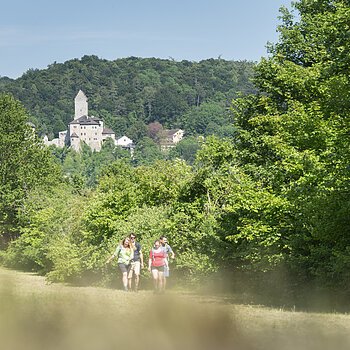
x: 170, y: 138
x: 85, y: 128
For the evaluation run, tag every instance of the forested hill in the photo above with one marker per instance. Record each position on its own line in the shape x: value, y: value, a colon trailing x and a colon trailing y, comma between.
x: 128, y: 93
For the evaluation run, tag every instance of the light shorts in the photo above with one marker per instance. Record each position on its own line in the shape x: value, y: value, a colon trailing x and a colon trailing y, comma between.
x: 135, y: 268
x: 166, y: 271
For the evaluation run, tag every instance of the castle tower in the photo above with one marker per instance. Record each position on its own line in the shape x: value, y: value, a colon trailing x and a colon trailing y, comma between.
x: 81, y: 105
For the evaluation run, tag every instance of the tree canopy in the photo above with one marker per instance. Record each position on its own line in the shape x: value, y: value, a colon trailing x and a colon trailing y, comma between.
x: 293, y: 138
x: 128, y: 93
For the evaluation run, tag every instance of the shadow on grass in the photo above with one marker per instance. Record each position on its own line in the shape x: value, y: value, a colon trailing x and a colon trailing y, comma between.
x: 276, y: 291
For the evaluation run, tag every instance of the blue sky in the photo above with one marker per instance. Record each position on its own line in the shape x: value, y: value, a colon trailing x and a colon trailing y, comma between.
x: 36, y: 33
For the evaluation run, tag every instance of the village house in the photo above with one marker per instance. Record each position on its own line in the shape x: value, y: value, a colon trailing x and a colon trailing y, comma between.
x: 170, y: 138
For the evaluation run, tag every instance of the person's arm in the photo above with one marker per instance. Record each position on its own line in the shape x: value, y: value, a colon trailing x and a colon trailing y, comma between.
x: 171, y: 252
x: 110, y: 259
x: 113, y: 255
x: 141, y: 258
x: 150, y: 260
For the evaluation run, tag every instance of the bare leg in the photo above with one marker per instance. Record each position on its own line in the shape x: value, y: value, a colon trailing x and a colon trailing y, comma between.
x: 161, y: 281
x: 130, y: 275
x: 125, y: 280
x: 137, y: 280
x: 155, y: 276
x: 166, y: 273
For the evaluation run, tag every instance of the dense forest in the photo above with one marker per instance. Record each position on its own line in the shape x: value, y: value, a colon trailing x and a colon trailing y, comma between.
x: 132, y: 92
x: 268, y: 205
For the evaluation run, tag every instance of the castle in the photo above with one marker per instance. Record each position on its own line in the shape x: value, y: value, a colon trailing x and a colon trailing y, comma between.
x: 91, y: 130
x: 85, y: 128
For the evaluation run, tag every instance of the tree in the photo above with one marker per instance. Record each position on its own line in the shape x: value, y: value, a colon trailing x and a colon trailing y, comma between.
x: 293, y: 138
x: 147, y: 151
x: 186, y: 149
x: 154, y: 130
x: 205, y: 119
x: 25, y: 163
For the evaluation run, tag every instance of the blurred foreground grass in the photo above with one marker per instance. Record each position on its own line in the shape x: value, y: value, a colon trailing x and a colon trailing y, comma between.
x: 35, y: 315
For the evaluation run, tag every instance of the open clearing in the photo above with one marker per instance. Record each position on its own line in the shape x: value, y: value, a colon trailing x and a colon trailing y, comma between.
x: 35, y: 315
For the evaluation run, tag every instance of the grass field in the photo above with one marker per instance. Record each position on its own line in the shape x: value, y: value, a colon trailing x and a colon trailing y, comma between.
x: 35, y: 315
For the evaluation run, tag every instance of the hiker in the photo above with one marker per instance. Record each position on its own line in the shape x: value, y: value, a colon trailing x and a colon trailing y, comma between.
x: 125, y: 253
x: 167, y: 249
x: 136, y: 263
x: 156, y: 264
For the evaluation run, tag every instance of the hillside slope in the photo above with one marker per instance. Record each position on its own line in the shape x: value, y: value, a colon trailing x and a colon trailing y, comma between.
x: 129, y: 91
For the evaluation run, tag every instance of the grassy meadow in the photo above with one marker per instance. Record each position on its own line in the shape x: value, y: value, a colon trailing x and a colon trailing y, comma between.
x: 35, y: 315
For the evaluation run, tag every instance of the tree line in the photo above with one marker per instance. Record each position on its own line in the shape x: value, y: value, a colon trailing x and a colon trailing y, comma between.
x: 130, y: 93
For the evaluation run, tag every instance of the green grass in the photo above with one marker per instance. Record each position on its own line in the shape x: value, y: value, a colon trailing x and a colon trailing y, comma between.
x: 35, y: 315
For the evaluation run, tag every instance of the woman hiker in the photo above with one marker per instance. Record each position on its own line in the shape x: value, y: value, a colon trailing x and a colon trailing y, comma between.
x: 157, y: 262
x: 125, y: 253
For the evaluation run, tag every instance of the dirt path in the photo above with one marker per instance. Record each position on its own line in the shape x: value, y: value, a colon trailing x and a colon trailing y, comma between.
x: 37, y: 315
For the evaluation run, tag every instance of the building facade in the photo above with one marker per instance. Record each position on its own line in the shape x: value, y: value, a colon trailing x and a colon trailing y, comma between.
x: 83, y: 128
x: 170, y: 138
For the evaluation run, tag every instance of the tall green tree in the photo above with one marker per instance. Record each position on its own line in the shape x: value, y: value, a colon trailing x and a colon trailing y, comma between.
x: 294, y: 137
x: 24, y: 163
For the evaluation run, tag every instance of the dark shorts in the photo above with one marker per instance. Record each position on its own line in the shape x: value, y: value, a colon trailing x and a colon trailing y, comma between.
x: 124, y: 268
x: 159, y: 268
